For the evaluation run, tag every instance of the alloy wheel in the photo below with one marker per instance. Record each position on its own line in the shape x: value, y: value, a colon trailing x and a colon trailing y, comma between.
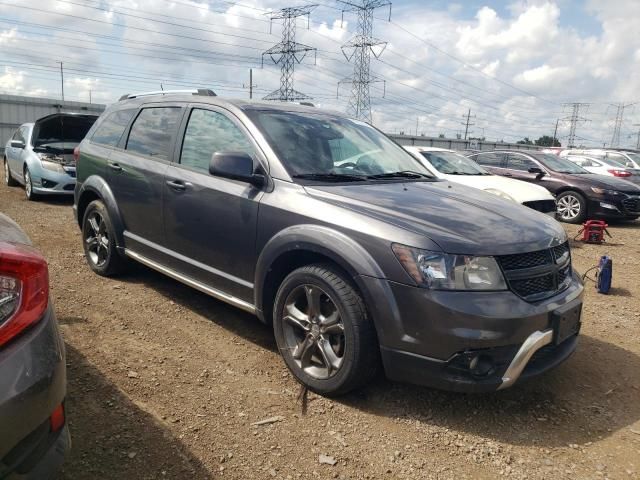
x: 97, y: 239
x: 314, y: 331
x: 569, y: 207
x: 27, y: 183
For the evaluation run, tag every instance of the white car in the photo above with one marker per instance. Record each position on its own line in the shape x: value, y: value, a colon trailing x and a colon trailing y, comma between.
x: 450, y: 165
x: 606, y: 166
x: 624, y: 158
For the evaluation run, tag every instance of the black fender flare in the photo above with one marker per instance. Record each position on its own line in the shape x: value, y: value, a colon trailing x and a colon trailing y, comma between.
x: 98, y: 186
x: 343, y: 250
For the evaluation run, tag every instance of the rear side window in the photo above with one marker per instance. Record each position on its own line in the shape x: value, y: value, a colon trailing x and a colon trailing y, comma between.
x: 112, y: 128
x: 209, y: 132
x: 152, y: 131
x: 489, y: 159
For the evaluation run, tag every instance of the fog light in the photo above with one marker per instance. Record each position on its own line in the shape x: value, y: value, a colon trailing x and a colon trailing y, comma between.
x: 48, y: 183
x: 481, y: 365
x: 608, y: 205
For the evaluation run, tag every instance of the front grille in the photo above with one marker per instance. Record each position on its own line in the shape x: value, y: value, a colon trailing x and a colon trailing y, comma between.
x: 544, y: 206
x: 537, y: 275
x: 632, y: 204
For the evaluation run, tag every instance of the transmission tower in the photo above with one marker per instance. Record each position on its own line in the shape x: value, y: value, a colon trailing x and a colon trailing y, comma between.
x: 574, y: 119
x: 288, y: 52
x: 358, y: 51
x: 615, y: 138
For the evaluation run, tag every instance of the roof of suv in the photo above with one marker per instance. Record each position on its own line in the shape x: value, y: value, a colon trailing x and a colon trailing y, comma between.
x: 222, y: 101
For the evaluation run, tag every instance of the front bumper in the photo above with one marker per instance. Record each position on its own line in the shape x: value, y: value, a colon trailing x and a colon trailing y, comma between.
x: 48, y: 182
x: 32, y: 385
x: 615, y: 207
x: 468, y: 341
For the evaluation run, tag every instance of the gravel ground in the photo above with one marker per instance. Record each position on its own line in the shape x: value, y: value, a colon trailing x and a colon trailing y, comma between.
x: 165, y: 382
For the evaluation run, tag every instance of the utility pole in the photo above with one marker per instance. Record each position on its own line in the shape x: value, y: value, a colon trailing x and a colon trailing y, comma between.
x: 358, y: 51
x: 615, y: 138
x: 89, y: 96
x: 467, y: 124
x: 61, y: 80
x: 288, y: 52
x: 251, y: 86
x: 574, y: 119
x: 555, y: 134
x: 417, y: 120
x: 637, y: 141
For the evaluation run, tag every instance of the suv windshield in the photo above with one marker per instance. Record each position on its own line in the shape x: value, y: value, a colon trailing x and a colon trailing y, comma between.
x: 451, y: 163
x: 325, y: 147
x: 558, y: 164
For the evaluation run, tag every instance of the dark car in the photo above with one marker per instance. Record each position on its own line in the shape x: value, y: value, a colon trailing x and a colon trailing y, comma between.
x: 329, y: 231
x: 579, y: 193
x: 33, y: 431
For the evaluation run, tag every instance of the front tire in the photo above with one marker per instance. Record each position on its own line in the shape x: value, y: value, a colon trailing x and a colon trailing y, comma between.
x: 8, y: 179
x: 28, y: 186
x: 572, y: 207
x: 99, y: 241
x: 323, y: 331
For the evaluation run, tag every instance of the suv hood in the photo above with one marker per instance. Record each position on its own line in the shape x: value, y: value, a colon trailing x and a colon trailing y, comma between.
x: 459, y: 219
x: 517, y: 189
x: 611, y: 183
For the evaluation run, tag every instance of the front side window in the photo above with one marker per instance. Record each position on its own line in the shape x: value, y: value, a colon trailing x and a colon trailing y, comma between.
x: 451, y: 163
x: 111, y: 129
x: 315, y: 143
x: 519, y: 162
x: 152, y: 131
x: 21, y: 135
x: 209, y: 132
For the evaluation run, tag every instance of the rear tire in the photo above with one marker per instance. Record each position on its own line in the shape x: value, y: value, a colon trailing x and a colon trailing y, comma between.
x: 323, y: 332
x: 572, y: 207
x: 99, y: 241
x: 8, y: 179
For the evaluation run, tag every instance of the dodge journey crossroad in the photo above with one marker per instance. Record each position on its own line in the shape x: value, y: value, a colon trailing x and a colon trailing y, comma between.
x: 330, y: 232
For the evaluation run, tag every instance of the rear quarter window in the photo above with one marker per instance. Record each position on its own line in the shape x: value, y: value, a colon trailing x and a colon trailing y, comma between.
x: 110, y: 130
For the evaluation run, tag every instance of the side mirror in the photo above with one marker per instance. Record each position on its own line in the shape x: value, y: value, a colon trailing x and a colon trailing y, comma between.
x: 538, y: 171
x: 17, y: 144
x: 236, y: 166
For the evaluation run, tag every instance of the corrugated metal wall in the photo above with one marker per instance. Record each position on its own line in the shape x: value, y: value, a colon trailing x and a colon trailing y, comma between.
x: 457, y: 144
x: 16, y: 110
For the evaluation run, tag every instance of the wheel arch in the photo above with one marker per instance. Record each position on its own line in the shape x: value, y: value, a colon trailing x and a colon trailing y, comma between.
x: 303, y: 245
x: 96, y: 188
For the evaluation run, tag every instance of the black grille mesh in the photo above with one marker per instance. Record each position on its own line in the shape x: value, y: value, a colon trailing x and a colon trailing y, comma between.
x: 525, y: 260
x: 560, y: 250
x: 632, y: 204
x: 533, y: 286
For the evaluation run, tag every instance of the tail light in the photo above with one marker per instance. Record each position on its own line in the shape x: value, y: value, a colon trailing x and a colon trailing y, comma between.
x: 56, y: 420
x: 24, y: 289
x: 76, y: 153
x: 619, y: 173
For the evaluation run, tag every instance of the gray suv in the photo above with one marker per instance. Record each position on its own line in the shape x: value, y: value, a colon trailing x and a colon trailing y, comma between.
x: 326, y: 229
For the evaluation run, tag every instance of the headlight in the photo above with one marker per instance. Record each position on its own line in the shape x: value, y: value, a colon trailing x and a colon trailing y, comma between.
x: 441, y: 271
x: 604, y: 191
x: 500, y: 193
x: 49, y: 162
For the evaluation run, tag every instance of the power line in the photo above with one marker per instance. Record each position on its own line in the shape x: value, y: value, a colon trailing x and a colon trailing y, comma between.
x: 288, y: 52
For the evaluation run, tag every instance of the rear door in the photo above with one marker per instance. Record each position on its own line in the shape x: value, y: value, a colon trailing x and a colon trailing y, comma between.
x: 136, y: 175
x: 210, y: 222
x: 15, y: 155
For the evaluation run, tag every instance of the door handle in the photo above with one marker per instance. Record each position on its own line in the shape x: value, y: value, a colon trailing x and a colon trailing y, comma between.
x: 115, y: 166
x: 177, y: 185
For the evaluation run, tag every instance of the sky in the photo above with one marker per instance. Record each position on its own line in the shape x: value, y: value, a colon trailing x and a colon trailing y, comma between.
x: 514, y: 65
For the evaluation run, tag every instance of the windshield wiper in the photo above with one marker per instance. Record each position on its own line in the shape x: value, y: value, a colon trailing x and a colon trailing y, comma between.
x: 332, y: 177
x: 402, y: 174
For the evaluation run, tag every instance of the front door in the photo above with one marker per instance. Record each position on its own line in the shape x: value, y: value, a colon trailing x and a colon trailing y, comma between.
x: 210, y: 222
x: 136, y: 176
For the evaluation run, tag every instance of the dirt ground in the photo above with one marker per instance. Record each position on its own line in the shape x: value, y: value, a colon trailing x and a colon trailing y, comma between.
x: 165, y: 382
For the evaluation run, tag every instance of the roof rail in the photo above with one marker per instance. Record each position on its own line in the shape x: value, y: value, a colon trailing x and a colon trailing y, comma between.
x: 206, y: 92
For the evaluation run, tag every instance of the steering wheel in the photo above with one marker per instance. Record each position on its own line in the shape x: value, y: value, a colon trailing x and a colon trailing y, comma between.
x: 368, y: 165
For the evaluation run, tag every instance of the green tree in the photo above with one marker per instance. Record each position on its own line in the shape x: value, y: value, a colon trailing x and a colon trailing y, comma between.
x: 525, y: 141
x: 548, y: 141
